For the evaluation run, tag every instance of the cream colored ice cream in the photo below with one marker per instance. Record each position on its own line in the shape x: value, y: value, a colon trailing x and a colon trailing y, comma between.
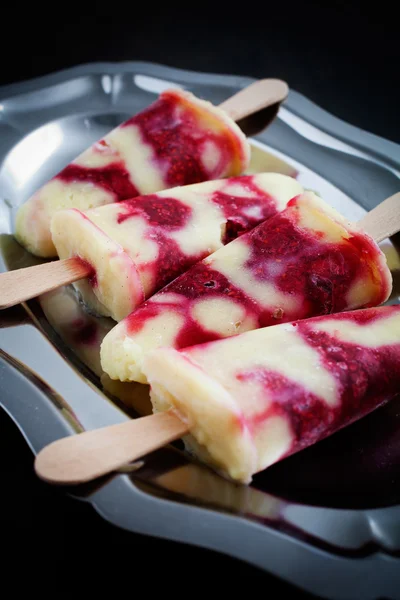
x: 177, y: 140
x: 253, y: 399
x: 136, y: 247
x: 305, y: 261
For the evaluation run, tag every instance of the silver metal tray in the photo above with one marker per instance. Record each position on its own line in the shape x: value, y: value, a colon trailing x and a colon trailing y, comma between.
x: 326, y: 519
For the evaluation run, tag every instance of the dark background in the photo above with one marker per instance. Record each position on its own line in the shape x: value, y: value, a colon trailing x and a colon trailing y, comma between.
x: 342, y: 55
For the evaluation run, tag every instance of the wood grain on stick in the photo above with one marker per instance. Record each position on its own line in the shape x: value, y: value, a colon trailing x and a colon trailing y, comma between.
x: 255, y: 97
x: 86, y: 456
x: 23, y: 284
x: 384, y: 220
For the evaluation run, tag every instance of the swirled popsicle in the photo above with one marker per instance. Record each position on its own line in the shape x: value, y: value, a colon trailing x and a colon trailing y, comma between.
x: 304, y: 261
x: 256, y: 398
x: 179, y: 139
x: 135, y: 247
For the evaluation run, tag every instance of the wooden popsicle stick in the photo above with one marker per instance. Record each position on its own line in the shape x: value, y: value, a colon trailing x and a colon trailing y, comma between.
x: 29, y: 282
x: 85, y: 456
x: 383, y: 221
x: 255, y: 97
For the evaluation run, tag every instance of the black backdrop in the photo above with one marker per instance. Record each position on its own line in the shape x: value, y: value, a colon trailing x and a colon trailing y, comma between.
x: 342, y: 55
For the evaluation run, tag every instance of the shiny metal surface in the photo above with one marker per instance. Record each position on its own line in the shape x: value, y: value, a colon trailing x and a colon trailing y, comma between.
x: 332, y: 510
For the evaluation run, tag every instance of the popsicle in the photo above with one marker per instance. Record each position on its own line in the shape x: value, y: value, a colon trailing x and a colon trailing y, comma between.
x: 177, y: 140
x: 130, y: 249
x: 246, y: 402
x: 254, y: 399
x: 304, y: 261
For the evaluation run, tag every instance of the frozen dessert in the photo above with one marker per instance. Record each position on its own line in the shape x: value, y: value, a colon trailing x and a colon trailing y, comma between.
x: 304, y: 261
x: 135, y: 247
x: 178, y: 140
x: 254, y: 399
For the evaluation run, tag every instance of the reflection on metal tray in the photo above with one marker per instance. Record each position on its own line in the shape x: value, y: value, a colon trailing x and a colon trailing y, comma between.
x: 333, y: 509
